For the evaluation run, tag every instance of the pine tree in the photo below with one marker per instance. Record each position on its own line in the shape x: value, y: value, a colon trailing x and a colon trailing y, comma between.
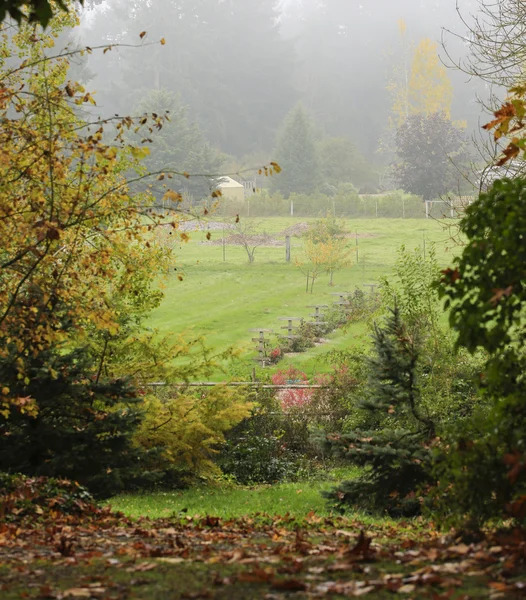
x: 297, y: 154
x: 395, y: 450
x: 84, y: 427
x: 180, y: 146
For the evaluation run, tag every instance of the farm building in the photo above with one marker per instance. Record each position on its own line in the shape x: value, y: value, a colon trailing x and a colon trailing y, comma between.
x: 231, y: 189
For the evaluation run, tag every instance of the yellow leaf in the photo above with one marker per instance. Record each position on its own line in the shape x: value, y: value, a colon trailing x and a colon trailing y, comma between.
x: 172, y: 196
x: 139, y: 153
x: 163, y: 41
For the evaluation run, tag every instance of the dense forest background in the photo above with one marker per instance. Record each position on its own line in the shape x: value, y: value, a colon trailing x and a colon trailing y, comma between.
x: 241, y: 65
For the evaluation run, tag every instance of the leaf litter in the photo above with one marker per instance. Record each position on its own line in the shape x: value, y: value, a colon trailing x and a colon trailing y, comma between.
x: 314, y: 558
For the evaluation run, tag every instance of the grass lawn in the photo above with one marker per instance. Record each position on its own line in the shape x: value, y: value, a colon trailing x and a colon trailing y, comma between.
x: 233, y: 501
x: 224, y: 300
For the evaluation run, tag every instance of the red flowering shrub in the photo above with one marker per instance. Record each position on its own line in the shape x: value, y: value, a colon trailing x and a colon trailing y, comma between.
x: 275, y: 355
x: 293, y: 397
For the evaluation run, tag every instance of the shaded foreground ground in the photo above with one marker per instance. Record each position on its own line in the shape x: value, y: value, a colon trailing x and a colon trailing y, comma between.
x: 102, y: 555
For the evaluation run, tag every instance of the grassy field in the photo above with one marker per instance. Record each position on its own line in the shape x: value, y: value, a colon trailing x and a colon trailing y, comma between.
x: 223, y: 300
x: 233, y: 501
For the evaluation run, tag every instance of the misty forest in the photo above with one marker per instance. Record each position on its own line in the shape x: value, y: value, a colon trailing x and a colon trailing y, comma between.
x: 262, y: 299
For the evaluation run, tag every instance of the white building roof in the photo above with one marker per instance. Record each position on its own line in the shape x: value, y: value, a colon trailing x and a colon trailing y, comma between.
x: 228, y: 182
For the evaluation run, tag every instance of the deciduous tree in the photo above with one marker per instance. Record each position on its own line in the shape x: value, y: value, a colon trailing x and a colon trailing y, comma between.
x: 74, y: 238
x: 431, y: 152
x: 483, y: 464
x: 421, y: 86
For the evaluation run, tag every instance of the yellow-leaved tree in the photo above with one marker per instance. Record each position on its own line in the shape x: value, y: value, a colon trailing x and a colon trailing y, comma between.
x: 430, y: 90
x: 419, y: 83
x: 68, y: 222
x: 79, y: 267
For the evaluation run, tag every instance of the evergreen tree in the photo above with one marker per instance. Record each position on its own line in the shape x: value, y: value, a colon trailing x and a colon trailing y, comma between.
x: 180, y: 146
x: 83, y: 429
x: 395, y: 448
x: 227, y: 61
x: 297, y: 154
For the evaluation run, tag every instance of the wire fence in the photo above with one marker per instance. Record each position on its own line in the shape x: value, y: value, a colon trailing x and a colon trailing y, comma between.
x: 396, y: 205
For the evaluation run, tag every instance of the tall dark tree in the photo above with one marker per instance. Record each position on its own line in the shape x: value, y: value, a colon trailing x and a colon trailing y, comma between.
x: 180, y: 146
x: 227, y: 60
x: 297, y: 154
x: 431, y: 155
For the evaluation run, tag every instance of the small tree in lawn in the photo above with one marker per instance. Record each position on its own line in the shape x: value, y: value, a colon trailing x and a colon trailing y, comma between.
x: 395, y: 450
x: 325, y: 249
x: 246, y: 234
x: 312, y: 264
x: 335, y: 255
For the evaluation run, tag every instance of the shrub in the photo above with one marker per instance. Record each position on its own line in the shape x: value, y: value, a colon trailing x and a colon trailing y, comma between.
x: 254, y: 459
x: 266, y: 447
x: 187, y: 429
x: 275, y: 355
x: 478, y: 478
x: 22, y: 496
x: 292, y: 398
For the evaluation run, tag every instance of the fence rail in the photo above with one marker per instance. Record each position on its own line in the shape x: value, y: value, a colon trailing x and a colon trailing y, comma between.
x: 265, y: 386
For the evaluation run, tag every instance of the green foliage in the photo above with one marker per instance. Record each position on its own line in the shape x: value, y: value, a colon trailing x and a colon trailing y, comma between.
x: 342, y: 162
x: 485, y: 290
x: 394, y: 451
x: 486, y: 297
x: 479, y: 477
x: 22, y: 496
x: 188, y: 428
x: 413, y: 289
x: 83, y: 429
x: 324, y: 230
x: 255, y: 459
x: 306, y: 336
x: 448, y: 382
x: 297, y: 154
x: 269, y: 446
x: 431, y: 152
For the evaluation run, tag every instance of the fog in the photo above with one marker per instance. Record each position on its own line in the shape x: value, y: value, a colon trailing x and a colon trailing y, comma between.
x: 237, y: 67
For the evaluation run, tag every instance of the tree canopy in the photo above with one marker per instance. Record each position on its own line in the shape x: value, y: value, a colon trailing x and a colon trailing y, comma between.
x: 430, y: 153
x: 297, y: 154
